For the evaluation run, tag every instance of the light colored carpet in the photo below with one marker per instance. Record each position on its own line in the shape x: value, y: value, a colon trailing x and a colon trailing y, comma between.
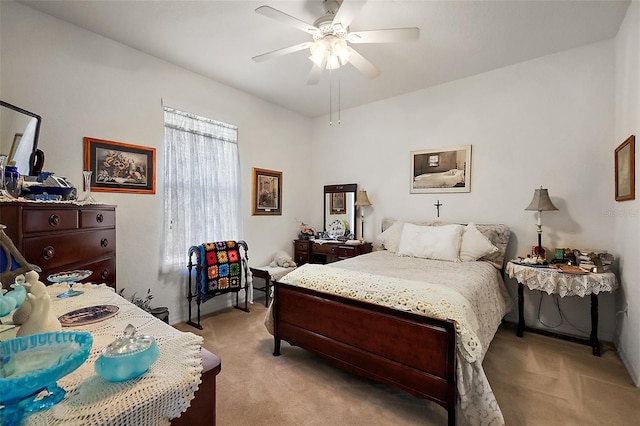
x: 537, y: 381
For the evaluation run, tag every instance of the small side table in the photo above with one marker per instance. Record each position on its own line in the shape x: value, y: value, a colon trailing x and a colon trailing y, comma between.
x: 553, y: 281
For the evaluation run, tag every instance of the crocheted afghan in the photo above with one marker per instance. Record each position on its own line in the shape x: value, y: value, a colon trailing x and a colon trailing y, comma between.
x: 221, y: 268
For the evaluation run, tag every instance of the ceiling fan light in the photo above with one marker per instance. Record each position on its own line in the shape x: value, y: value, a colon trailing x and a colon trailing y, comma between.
x: 333, y: 62
x: 318, y: 53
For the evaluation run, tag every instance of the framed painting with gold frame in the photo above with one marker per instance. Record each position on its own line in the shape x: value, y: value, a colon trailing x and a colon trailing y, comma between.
x: 625, y: 173
x: 267, y: 192
x: 120, y: 167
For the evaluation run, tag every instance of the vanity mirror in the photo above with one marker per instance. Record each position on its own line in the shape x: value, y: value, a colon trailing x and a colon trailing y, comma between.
x: 339, y: 210
x: 19, y: 131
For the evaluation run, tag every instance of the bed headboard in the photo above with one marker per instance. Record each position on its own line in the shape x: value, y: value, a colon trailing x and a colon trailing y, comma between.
x: 498, y: 234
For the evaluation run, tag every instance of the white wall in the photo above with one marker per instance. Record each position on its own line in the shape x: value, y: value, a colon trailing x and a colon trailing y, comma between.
x: 626, y: 214
x: 85, y: 85
x: 544, y: 122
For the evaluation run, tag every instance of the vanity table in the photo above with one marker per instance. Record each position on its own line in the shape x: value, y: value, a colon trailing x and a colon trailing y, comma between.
x: 339, y: 222
x: 310, y: 251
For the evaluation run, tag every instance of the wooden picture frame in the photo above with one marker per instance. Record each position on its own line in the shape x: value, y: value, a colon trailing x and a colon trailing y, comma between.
x: 120, y: 167
x: 267, y: 192
x: 625, y: 170
x: 441, y: 170
x: 338, y: 203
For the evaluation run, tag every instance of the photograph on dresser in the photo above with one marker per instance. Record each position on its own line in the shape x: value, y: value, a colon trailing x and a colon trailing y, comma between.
x: 267, y: 192
x: 120, y: 167
x: 441, y: 170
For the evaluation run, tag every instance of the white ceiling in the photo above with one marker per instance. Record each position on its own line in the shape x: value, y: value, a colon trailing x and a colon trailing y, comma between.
x: 457, y: 39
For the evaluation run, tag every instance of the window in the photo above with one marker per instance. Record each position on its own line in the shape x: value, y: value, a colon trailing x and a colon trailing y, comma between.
x: 201, y: 185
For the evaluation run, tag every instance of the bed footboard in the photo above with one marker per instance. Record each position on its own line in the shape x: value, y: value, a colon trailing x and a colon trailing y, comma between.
x: 411, y: 352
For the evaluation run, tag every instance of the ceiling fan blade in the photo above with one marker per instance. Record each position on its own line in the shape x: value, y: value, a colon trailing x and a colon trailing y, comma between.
x: 315, y: 74
x: 384, y: 36
x: 347, y: 12
x: 281, y: 52
x: 362, y: 64
x: 272, y: 13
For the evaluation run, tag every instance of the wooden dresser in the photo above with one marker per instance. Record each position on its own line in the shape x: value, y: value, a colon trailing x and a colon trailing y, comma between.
x: 61, y: 237
x: 308, y: 251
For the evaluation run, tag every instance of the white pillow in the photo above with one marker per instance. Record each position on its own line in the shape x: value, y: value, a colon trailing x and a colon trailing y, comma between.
x: 390, y: 237
x: 474, y: 244
x: 431, y: 242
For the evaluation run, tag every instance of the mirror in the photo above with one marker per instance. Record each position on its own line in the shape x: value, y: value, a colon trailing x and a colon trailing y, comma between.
x: 19, y: 131
x: 339, y: 210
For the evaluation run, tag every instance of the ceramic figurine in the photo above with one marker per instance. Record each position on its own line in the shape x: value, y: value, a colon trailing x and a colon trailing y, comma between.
x: 22, y: 313
x: 41, y: 319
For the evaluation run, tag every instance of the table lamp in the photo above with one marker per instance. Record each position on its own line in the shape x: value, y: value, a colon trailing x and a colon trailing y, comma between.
x: 541, y: 202
x: 362, y: 201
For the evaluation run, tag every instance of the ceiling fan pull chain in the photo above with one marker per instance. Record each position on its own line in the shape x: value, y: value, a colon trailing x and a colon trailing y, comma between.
x: 339, y: 95
x: 330, y: 91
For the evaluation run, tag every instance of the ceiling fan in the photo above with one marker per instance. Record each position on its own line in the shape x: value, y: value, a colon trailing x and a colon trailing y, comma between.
x: 331, y: 38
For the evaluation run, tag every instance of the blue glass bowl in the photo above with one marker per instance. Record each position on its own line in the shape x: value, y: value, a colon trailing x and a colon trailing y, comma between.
x: 31, y: 364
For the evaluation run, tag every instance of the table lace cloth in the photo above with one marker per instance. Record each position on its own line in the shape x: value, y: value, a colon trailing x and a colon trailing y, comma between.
x: 162, y: 393
x: 564, y: 284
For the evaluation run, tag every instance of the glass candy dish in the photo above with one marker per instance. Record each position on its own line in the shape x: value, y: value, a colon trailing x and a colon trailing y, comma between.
x: 32, y: 364
x: 70, y: 277
x: 127, y: 357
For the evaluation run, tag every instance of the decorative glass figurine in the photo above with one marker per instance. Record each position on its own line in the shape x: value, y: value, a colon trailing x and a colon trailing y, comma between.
x: 87, y: 187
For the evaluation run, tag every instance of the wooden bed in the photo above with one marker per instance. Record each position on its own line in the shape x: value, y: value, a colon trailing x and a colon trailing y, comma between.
x: 411, y: 352
x: 404, y: 347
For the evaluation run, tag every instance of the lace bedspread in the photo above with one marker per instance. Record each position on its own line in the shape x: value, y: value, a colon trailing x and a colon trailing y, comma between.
x: 162, y: 393
x: 554, y: 282
x: 477, y: 285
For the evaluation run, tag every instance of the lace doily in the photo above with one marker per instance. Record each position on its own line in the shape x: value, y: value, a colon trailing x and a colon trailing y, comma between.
x: 563, y: 284
x: 162, y: 393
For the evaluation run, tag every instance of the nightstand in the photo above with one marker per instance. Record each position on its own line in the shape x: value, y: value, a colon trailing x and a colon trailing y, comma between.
x: 310, y: 251
x: 553, y: 281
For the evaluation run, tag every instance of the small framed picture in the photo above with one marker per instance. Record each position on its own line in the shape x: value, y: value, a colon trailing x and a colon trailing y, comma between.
x: 338, y: 202
x: 267, y: 192
x: 625, y: 170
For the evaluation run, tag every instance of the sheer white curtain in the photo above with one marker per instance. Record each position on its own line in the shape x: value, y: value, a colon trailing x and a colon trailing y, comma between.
x: 201, y: 185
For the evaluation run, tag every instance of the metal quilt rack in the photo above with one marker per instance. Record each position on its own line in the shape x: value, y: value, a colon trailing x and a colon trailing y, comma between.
x: 200, y: 268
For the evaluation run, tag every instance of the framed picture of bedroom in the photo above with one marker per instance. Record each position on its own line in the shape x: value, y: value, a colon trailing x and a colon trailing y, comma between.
x: 441, y: 170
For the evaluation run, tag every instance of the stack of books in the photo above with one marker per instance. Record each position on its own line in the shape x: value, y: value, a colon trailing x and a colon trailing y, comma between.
x: 594, y: 260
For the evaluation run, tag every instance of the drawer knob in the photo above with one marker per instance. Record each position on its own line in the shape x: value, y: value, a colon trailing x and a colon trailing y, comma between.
x: 104, y: 242
x: 48, y: 252
x: 104, y: 274
x: 99, y: 218
x: 54, y: 220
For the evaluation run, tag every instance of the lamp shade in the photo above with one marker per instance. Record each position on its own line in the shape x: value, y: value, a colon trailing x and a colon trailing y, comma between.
x: 362, y: 199
x: 541, y: 201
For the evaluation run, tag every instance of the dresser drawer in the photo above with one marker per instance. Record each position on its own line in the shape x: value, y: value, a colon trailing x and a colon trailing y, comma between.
x: 35, y: 220
x: 327, y: 248
x: 53, y: 251
x: 301, y: 246
x: 345, y: 251
x: 97, y: 219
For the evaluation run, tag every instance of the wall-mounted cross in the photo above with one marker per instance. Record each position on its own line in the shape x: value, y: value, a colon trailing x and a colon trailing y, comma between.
x: 438, y: 204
